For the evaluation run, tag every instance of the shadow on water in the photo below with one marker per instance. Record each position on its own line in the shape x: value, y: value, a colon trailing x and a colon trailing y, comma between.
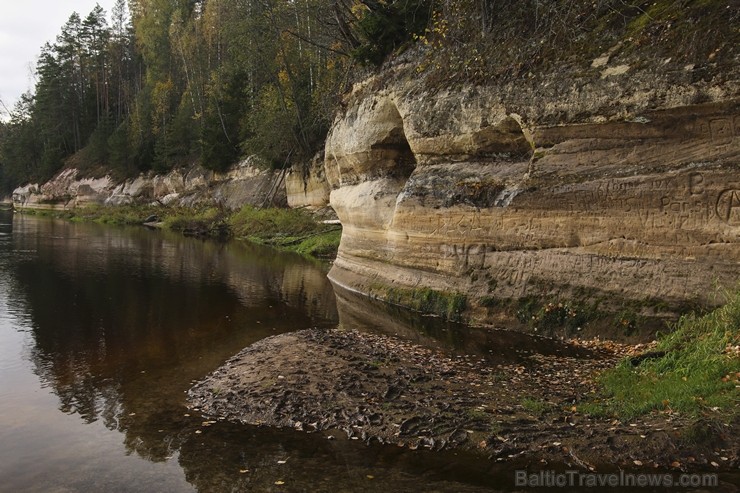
x: 494, y: 346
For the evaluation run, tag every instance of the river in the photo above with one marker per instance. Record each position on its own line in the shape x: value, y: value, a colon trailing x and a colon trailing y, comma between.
x: 103, y: 330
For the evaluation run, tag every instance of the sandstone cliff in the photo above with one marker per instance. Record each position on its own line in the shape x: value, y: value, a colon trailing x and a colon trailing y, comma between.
x: 618, y: 186
x: 306, y: 186
x: 245, y: 183
x: 610, y: 181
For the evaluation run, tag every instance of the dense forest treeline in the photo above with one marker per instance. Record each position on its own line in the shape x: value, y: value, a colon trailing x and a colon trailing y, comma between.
x: 162, y: 83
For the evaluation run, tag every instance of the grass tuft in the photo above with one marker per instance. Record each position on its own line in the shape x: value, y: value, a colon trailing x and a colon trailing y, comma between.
x: 535, y: 406
x: 699, y: 371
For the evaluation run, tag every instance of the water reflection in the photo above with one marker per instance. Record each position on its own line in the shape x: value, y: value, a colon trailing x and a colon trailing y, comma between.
x: 115, y: 324
x: 110, y: 326
x: 122, y: 321
x: 315, y: 464
x: 494, y: 346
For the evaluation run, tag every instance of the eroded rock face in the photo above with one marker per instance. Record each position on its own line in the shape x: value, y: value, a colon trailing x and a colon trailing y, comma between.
x: 620, y: 188
x: 306, y: 186
x: 195, y: 186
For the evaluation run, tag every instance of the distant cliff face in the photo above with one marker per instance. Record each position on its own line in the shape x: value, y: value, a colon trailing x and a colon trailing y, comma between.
x: 306, y: 186
x: 620, y: 186
x: 195, y: 186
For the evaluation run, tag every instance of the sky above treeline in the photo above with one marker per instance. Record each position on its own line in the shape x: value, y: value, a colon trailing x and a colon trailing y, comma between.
x: 25, y: 25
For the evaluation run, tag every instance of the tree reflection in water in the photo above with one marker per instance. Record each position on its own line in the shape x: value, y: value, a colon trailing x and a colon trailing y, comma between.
x: 123, y: 320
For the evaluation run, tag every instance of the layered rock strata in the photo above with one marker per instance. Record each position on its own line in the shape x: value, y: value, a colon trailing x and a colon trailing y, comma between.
x: 246, y: 183
x: 306, y: 186
x: 623, y: 187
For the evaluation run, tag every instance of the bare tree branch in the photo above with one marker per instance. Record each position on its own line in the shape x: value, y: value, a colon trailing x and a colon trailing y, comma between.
x: 313, y: 43
x: 2, y: 103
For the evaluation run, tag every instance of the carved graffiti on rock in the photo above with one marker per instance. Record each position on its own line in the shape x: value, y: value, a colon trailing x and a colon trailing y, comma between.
x: 721, y: 130
x: 728, y: 206
x: 696, y: 184
x: 703, y: 129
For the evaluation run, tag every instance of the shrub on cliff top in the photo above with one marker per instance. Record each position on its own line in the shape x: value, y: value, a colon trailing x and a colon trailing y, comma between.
x: 383, y: 26
x: 482, y: 40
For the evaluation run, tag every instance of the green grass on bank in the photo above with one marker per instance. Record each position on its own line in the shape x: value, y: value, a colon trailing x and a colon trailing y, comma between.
x: 698, y: 372
x: 121, y: 215
x: 321, y: 245
x: 292, y: 229
x: 272, y: 223
x: 289, y: 229
x: 201, y: 220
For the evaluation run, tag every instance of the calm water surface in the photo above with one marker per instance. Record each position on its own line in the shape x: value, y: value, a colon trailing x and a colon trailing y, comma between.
x: 102, y: 330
